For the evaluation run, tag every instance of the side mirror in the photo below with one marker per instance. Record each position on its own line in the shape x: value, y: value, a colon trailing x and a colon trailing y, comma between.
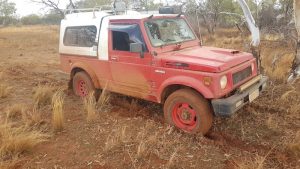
x: 137, y: 48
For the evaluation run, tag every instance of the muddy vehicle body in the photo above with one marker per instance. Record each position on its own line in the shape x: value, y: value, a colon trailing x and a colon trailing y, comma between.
x: 157, y: 58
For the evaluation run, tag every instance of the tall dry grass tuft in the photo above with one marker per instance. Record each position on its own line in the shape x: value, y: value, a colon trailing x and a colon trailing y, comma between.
x: 42, y: 95
x: 141, y: 149
x: 111, y: 142
x: 17, y: 140
x: 90, y: 106
x: 57, y: 110
x: 103, y: 100
x: 4, y: 90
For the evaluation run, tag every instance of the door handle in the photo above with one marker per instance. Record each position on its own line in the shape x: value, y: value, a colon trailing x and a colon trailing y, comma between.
x: 114, y: 58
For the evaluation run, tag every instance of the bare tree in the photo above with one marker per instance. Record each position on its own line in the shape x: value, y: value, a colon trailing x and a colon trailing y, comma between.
x: 54, y: 5
x: 209, y: 11
x: 296, y: 64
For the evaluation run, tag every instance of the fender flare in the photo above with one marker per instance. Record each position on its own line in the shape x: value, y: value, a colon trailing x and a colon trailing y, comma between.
x: 88, y: 70
x: 191, y: 82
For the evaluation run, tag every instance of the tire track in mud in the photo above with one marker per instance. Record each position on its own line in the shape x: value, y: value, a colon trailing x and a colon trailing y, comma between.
x: 228, y: 142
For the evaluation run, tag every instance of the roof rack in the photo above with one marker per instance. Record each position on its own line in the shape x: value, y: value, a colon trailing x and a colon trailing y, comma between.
x: 95, y: 9
x: 118, y: 6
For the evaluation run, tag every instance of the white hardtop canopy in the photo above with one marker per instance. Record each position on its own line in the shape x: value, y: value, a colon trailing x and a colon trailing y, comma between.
x: 99, y: 19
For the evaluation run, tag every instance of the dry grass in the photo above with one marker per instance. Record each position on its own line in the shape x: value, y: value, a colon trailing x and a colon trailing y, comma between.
x: 141, y: 149
x: 171, y: 162
x: 134, y: 107
x: 17, y: 140
x: 294, y: 147
x: 112, y: 141
x: 103, y: 100
x: 10, y: 164
x: 116, y: 139
x: 256, y: 163
x: 57, y: 110
x: 294, y: 111
x: 42, y: 95
x: 259, y: 162
x: 278, y: 67
x: 271, y: 122
x: 288, y: 93
x: 15, y: 111
x: 4, y: 90
x: 33, y: 117
x: 271, y: 37
x: 90, y: 107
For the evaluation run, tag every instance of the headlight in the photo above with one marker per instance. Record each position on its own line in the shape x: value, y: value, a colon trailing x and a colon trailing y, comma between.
x: 223, y: 82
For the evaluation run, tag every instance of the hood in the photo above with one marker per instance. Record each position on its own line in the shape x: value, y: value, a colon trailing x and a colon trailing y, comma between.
x: 206, y: 59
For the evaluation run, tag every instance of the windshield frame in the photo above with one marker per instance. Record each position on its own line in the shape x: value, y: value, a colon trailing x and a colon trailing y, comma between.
x: 171, y: 43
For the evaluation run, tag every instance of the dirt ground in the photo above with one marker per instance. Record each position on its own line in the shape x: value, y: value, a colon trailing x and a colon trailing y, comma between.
x: 130, y: 133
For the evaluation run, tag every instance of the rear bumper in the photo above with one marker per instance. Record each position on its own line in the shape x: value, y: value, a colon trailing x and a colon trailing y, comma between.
x: 228, y: 106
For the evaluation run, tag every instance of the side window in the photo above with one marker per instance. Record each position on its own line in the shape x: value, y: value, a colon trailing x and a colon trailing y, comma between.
x: 121, y: 41
x: 124, y: 34
x: 80, y: 36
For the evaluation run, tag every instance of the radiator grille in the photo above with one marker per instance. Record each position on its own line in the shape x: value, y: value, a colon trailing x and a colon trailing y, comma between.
x: 242, y: 75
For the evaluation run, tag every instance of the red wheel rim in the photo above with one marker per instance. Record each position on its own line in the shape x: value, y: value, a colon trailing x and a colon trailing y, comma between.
x: 82, y: 88
x: 184, y: 116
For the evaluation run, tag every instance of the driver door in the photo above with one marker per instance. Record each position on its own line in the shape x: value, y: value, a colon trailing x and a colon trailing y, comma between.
x: 130, y: 71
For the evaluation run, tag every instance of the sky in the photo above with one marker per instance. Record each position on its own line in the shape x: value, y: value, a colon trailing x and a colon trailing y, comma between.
x: 26, y: 7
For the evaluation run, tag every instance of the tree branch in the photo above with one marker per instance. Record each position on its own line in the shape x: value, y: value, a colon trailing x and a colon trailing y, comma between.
x: 53, y: 5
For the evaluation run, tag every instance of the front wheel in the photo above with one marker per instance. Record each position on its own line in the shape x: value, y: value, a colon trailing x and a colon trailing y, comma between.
x: 189, y: 111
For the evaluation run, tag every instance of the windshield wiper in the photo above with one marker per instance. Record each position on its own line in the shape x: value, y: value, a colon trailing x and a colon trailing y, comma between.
x: 169, y: 40
x: 165, y: 42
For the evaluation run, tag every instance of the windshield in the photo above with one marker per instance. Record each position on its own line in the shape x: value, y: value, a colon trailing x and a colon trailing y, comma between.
x: 168, y: 31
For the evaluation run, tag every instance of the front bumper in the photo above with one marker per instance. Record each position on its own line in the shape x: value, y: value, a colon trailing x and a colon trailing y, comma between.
x: 228, y: 106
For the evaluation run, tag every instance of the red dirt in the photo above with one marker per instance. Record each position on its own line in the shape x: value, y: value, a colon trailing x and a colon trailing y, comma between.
x: 231, y: 142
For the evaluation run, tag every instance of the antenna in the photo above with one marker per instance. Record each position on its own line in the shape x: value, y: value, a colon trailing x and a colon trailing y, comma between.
x: 199, y: 29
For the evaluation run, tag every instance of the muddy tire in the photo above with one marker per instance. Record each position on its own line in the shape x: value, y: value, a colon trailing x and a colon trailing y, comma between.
x: 82, y: 84
x: 189, y: 111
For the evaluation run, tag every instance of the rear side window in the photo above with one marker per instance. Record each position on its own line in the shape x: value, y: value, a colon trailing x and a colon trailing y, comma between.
x: 80, y: 36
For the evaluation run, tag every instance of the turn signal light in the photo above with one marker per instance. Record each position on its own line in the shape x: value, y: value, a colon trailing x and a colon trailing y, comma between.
x: 207, y: 81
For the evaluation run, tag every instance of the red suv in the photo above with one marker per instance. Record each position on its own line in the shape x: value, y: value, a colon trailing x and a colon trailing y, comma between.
x: 157, y: 58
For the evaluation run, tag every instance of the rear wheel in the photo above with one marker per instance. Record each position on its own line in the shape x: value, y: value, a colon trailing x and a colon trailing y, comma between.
x: 189, y: 111
x: 82, y: 84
